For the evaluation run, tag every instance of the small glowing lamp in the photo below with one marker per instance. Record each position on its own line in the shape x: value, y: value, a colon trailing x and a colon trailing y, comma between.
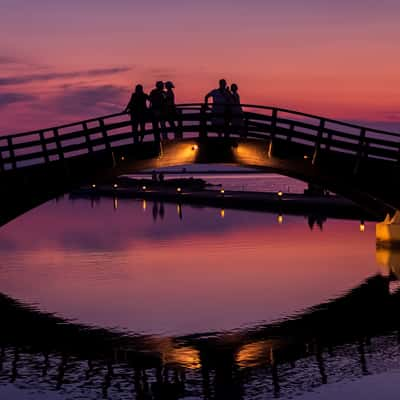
x: 94, y: 186
x: 179, y: 190
x: 144, y: 188
x: 280, y: 193
x: 122, y: 158
x: 195, y: 147
x: 222, y: 191
x: 115, y: 186
x: 305, y: 156
x: 280, y: 219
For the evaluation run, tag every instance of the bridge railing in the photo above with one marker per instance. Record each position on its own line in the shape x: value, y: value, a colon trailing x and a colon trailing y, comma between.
x: 317, y: 134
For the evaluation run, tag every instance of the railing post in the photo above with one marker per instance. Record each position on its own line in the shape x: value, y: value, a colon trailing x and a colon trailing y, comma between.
x: 274, y: 118
x: 203, y: 121
x: 44, y: 148
x: 318, y: 140
x: 12, y: 152
x: 1, y: 162
x: 361, y: 151
x: 104, y: 133
x: 58, y: 144
x: 87, y: 137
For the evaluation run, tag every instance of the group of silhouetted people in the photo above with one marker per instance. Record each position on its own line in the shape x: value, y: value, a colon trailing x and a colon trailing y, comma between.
x: 159, y: 108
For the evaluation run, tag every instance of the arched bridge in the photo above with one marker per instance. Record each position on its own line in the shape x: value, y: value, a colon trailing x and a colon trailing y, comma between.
x: 358, y: 162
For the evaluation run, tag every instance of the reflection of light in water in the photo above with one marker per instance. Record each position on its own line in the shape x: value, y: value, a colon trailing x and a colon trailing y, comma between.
x: 187, y: 357
x: 144, y: 205
x: 222, y: 213
x: 280, y: 219
x: 115, y: 201
x: 389, y: 260
x: 362, y: 226
x: 253, y: 354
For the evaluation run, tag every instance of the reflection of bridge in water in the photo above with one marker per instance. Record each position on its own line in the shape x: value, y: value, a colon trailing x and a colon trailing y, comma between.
x: 355, y: 161
x: 343, y: 339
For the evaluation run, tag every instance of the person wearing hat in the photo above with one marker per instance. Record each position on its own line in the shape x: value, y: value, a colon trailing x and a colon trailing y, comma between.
x: 157, y: 107
x: 170, y: 109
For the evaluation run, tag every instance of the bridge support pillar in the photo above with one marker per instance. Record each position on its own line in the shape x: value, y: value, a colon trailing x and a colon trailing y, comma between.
x: 388, y: 231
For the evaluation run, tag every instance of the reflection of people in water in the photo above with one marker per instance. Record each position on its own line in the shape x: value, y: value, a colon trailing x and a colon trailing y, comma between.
x: 155, y: 211
x: 161, y: 210
x: 319, y: 220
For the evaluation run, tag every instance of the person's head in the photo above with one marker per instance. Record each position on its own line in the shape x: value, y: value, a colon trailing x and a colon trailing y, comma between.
x: 160, y: 85
x: 139, y: 89
x: 169, y: 85
x: 222, y: 84
x: 234, y: 87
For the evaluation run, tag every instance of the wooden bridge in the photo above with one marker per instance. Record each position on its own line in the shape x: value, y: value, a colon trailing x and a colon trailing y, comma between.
x: 358, y: 162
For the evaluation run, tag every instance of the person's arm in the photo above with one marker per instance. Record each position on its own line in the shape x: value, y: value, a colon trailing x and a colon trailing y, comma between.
x: 128, y: 106
x: 208, y: 95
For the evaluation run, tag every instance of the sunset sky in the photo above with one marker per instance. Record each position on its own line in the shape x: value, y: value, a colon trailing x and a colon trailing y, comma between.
x: 65, y: 61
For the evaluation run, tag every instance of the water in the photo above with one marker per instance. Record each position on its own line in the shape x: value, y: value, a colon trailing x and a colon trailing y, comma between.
x: 128, y: 299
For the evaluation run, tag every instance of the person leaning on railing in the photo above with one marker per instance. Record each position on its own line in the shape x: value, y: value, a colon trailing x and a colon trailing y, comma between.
x: 137, y: 107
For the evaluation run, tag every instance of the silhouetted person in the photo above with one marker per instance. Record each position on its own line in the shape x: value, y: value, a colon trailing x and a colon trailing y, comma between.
x: 161, y: 210
x: 137, y: 107
x: 157, y: 106
x: 236, y: 111
x: 171, y: 114
x: 154, y: 176
x: 221, y: 100
x: 155, y: 211
x: 161, y: 177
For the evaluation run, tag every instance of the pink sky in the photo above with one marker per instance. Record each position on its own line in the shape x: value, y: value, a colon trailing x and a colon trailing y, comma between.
x: 62, y: 62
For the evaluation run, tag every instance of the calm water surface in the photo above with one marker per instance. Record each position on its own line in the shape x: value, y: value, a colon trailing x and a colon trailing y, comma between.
x: 131, y: 299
